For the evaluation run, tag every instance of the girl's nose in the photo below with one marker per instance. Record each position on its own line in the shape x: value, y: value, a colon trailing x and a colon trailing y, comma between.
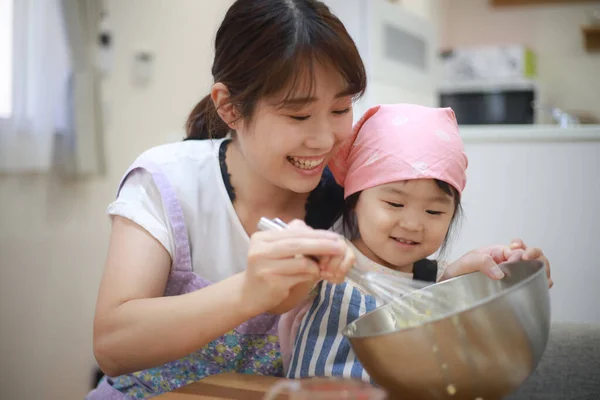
x: 410, y: 222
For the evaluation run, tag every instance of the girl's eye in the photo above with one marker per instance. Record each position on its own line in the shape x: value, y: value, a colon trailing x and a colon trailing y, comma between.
x: 300, y: 117
x: 396, y: 205
x: 342, y: 112
x: 434, y: 212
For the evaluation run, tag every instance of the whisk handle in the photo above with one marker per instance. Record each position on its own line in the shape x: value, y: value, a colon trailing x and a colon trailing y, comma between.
x: 362, y: 278
x: 265, y: 224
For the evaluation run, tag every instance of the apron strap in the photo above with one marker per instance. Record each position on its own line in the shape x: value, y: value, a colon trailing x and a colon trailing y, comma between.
x: 182, y: 261
x: 425, y: 270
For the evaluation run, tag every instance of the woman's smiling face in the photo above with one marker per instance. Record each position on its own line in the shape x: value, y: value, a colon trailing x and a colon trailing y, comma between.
x: 290, y: 144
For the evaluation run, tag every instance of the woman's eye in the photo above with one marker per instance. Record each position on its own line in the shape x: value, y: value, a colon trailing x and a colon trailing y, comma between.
x: 396, y: 205
x: 342, y: 112
x: 300, y: 117
x: 434, y: 212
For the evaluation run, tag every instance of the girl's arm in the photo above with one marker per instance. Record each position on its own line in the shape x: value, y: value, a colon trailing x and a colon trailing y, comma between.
x: 135, y: 327
x: 486, y: 260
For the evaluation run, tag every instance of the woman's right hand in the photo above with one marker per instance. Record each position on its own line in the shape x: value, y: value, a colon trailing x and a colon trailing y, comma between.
x: 276, y: 265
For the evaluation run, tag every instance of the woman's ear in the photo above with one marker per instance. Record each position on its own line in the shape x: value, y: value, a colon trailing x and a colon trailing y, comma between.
x: 222, y: 99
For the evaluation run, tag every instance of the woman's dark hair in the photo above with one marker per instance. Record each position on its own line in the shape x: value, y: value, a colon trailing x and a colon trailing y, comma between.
x: 265, y: 46
x: 351, y: 229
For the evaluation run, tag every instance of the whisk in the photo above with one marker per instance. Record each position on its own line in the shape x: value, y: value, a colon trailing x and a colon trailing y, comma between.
x: 388, y: 287
x: 411, y: 305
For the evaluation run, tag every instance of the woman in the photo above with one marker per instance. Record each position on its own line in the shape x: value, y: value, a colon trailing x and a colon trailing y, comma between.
x: 189, y: 288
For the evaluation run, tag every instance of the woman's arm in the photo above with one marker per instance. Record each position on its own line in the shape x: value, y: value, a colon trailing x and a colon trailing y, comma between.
x: 298, y: 294
x: 135, y: 328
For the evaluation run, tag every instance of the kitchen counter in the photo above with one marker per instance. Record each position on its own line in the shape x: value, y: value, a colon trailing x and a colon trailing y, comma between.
x: 541, y: 184
x: 529, y: 133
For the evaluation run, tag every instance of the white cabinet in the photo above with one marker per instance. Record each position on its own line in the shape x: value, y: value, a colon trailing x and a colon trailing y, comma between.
x: 540, y: 184
x: 399, y: 50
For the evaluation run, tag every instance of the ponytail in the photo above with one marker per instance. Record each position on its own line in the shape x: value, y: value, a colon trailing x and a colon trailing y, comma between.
x: 204, y: 122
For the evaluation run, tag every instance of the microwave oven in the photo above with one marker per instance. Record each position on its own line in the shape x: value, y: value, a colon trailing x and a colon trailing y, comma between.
x: 491, y: 103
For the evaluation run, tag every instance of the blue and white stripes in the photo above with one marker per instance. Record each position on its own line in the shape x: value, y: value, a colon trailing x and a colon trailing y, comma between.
x: 320, y: 348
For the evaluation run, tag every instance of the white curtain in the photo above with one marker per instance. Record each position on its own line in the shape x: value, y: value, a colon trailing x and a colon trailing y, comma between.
x: 40, y: 68
x: 79, y: 149
x: 56, y: 118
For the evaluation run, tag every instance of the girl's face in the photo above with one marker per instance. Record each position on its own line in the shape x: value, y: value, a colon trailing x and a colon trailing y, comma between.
x: 403, y: 222
x: 289, y: 147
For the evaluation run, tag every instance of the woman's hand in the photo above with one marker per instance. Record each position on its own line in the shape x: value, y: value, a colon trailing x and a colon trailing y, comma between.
x: 334, y: 269
x: 279, y: 275
x: 486, y: 260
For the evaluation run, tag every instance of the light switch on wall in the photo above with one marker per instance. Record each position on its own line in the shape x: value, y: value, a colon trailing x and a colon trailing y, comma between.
x: 104, y: 55
x: 143, y: 67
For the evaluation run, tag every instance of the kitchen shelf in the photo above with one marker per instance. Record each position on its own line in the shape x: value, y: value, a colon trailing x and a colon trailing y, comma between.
x: 591, y: 35
x: 508, y: 3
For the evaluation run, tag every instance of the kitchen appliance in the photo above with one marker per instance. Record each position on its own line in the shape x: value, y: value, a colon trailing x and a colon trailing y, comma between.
x: 489, y: 84
x: 491, y: 103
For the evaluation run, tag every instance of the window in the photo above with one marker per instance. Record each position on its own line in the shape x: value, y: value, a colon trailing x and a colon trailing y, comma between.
x: 6, y: 58
x: 41, y: 75
x: 34, y: 67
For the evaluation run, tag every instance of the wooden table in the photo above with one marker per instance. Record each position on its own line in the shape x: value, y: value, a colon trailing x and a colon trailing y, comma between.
x: 225, y: 386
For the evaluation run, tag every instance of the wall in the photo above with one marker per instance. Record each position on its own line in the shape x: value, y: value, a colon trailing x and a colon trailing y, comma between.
x: 567, y: 74
x: 53, y: 235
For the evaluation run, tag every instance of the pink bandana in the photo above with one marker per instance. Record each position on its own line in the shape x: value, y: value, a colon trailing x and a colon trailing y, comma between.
x: 399, y: 142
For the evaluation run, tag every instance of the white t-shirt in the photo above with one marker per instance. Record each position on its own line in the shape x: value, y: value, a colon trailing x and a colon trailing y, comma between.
x: 218, y: 241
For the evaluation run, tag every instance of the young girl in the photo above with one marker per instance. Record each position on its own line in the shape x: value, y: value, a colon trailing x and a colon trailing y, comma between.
x: 403, y: 173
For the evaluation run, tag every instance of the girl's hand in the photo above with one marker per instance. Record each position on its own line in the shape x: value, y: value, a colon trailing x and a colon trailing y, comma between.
x: 277, y: 269
x: 486, y: 260
x: 533, y: 253
x: 472, y: 262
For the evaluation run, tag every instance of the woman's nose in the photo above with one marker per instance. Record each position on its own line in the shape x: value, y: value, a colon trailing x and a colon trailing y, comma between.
x: 321, y: 138
x: 328, y: 131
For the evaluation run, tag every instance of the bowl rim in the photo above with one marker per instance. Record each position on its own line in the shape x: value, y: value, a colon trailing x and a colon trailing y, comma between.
x: 494, y: 297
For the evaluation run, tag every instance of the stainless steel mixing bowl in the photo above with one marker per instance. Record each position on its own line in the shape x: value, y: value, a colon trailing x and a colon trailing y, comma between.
x: 488, y: 341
